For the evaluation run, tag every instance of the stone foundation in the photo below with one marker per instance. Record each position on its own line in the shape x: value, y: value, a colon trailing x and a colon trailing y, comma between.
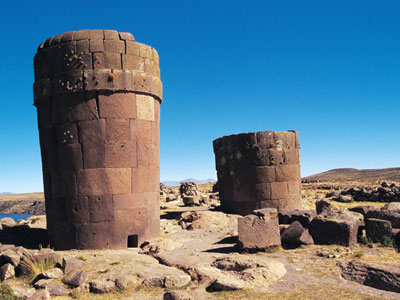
x: 258, y: 170
x: 98, y: 95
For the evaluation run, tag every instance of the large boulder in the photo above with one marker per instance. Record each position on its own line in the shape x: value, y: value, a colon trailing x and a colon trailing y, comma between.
x: 339, y: 227
x: 256, y: 232
x: 303, y: 216
x: 295, y: 236
x: 379, y: 276
x: 378, y: 230
x: 323, y: 207
x: 385, y: 213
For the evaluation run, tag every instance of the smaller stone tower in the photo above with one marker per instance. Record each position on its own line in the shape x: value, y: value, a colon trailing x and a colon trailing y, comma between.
x: 257, y: 170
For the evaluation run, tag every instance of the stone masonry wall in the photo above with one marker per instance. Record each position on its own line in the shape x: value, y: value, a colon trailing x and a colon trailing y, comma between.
x: 258, y: 170
x: 98, y: 95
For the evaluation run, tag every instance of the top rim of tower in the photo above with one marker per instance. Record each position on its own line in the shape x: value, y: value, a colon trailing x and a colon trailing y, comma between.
x: 86, y: 34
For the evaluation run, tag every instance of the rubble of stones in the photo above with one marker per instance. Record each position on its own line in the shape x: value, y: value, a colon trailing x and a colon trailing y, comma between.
x: 16, y: 261
x: 385, y: 193
x: 189, y: 194
x: 325, y: 226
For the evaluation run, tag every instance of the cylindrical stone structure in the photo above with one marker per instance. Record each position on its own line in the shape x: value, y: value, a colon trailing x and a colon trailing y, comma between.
x: 98, y: 96
x: 258, y: 170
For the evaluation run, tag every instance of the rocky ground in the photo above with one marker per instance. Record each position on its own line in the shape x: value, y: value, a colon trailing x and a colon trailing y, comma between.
x: 196, y: 257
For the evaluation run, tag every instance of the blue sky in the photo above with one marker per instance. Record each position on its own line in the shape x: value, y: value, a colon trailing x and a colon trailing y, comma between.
x: 328, y: 69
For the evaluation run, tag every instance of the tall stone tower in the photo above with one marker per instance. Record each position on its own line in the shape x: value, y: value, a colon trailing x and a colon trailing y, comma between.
x: 257, y: 170
x: 98, y: 95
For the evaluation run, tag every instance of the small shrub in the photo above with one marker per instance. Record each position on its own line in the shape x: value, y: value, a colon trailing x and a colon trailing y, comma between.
x: 358, y: 254
x: 38, y: 265
x: 364, y: 241
x: 82, y: 257
x: 387, y: 241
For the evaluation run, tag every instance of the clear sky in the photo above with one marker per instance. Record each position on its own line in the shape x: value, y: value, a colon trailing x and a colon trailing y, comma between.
x: 328, y: 69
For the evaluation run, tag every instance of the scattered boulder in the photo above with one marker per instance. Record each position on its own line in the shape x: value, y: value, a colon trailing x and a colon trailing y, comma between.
x: 334, y: 193
x: 295, y: 236
x: 378, y: 230
x: 6, y: 271
x: 224, y: 284
x: 22, y: 292
x: 101, y: 286
x: 322, y: 207
x: 122, y: 283
x: 344, y: 198
x: 75, y: 278
x: 302, y: 216
x: 177, y: 295
x: 42, y: 283
x: 193, y: 220
x: 379, y: 276
x: 42, y: 295
x: 57, y: 290
x: 362, y: 209
x: 191, y: 200
x: 258, y: 232
x: 385, y: 214
x: 10, y: 256
x: 70, y: 264
x: 156, y: 281
x: 7, y: 221
x: 338, y: 227
x: 52, y: 273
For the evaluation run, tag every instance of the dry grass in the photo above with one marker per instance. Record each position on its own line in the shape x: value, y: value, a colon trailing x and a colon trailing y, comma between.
x: 38, y: 265
x: 28, y: 196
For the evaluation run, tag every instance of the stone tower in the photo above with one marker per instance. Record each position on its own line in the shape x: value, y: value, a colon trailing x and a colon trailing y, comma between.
x: 257, y: 170
x: 98, y: 95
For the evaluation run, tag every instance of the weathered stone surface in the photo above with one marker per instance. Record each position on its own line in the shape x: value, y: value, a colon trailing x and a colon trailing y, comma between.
x: 43, y: 283
x: 257, y: 233
x: 98, y: 94
x: 70, y: 264
x: 223, y: 284
x: 122, y: 283
x: 75, y: 278
x: 393, y: 216
x: 101, y: 286
x: 382, y: 276
x: 52, y: 273
x: 42, y: 295
x: 322, y: 207
x: 57, y: 290
x: 295, y: 236
x: 337, y: 227
x: 258, y: 170
x: 22, y: 292
x: 378, y: 230
x: 177, y: 295
x: 6, y: 271
x: 362, y: 209
x: 303, y: 216
x: 191, y: 200
x: 10, y: 256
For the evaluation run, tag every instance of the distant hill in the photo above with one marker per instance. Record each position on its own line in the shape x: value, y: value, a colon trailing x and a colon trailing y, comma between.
x: 198, y: 181
x: 5, y: 193
x: 349, y: 174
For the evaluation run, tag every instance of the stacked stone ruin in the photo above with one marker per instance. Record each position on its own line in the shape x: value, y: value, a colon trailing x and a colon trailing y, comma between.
x: 98, y: 95
x: 258, y: 170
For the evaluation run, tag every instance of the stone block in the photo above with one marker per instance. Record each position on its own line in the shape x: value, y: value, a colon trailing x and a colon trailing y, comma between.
x: 69, y: 157
x: 94, y: 236
x: 287, y: 173
x: 96, y: 45
x: 146, y: 154
x: 338, y: 227
x: 295, y: 236
x: 279, y: 190
x: 241, y: 193
x: 101, y: 208
x: 145, y: 51
x: 120, y: 154
x: 74, y: 107
x: 118, y: 129
x: 378, y: 230
x: 103, y: 181
x: 67, y: 133
x: 304, y: 217
x: 263, y: 174
x: 107, y: 60
x: 144, y: 131
x: 94, y: 154
x: 127, y: 36
x: 78, y: 210
x: 260, y: 191
x: 128, y: 201
x: 383, y: 214
x: 82, y: 47
x: 257, y: 233
x: 117, y: 105
x: 132, y: 62
x: 92, y: 131
x: 111, y: 34
x: 145, y: 107
x: 114, y: 46
x: 132, y: 48
x: 145, y: 179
